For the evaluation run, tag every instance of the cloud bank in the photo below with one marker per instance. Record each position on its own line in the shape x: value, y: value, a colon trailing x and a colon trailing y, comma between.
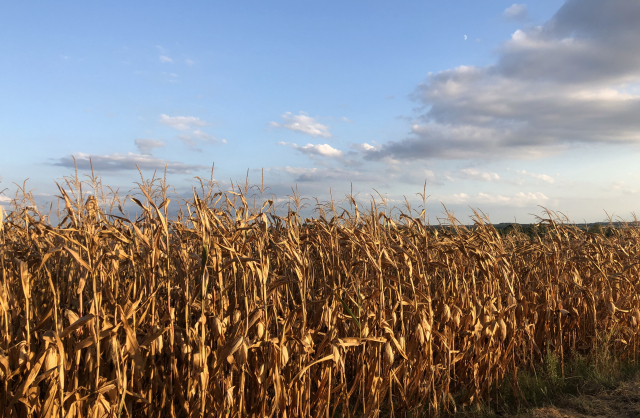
x: 129, y: 161
x: 570, y: 81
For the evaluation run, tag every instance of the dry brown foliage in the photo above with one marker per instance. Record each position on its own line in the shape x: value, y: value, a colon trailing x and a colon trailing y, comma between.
x: 228, y: 310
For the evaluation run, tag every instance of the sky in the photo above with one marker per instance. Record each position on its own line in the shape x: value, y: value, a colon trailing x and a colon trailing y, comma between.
x: 505, y: 107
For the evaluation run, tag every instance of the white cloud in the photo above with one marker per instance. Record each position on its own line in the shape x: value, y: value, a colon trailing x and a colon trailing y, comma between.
x: 465, y: 37
x: 128, y: 161
x: 475, y: 174
x: 189, y: 62
x: 516, y: 12
x: 4, y: 200
x: 542, y: 177
x: 363, y: 147
x: 344, y: 118
x: 164, y: 58
x: 181, y: 123
x: 323, y: 150
x: 303, y: 123
x: 146, y: 146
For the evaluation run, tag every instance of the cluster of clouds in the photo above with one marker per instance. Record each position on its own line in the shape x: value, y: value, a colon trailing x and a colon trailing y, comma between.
x: 144, y: 159
x: 569, y: 82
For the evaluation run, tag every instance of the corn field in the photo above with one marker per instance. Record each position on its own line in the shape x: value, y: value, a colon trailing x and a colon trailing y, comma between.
x: 222, y: 307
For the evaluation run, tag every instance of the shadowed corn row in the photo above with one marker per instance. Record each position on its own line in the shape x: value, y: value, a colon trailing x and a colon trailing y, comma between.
x: 224, y: 309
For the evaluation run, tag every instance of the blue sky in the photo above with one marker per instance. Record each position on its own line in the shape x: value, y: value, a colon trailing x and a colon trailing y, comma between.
x: 501, y: 106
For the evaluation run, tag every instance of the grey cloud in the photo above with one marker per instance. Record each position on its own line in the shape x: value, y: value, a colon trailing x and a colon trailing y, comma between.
x: 586, y: 41
x: 326, y: 174
x: 128, y: 161
x: 565, y: 82
x: 146, y: 146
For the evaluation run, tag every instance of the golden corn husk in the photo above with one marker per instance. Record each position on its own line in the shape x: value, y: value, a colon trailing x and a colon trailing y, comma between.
x: 446, y: 313
x: 51, y: 359
x: 502, y: 329
x: 284, y: 356
x: 260, y: 330
x: 336, y: 354
x: 237, y: 315
x: 388, y: 354
x: 217, y: 327
x: 242, y: 354
x: 419, y: 334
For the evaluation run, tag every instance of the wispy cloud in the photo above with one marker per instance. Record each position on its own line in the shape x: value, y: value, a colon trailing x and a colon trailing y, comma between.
x: 302, y: 174
x: 518, y: 12
x: 323, y: 150
x: 475, y: 174
x: 303, y: 123
x: 542, y: 177
x: 192, y: 140
x: 623, y: 187
x: 203, y: 136
x: 181, y: 123
x: 189, y: 62
x: 121, y: 162
x: 146, y: 146
x: 164, y: 58
x: 189, y: 142
x: 520, y: 199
